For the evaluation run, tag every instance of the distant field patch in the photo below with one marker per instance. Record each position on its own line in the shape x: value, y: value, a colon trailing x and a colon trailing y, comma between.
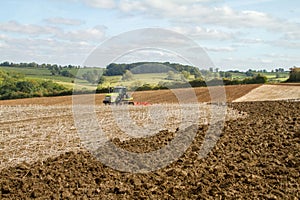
x: 271, y: 93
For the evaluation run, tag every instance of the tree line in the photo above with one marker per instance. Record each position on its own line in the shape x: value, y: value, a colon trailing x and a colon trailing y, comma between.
x: 115, y: 69
x: 36, y: 65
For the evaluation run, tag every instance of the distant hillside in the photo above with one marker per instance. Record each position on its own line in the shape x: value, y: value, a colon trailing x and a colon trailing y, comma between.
x: 64, y: 75
x: 115, y: 69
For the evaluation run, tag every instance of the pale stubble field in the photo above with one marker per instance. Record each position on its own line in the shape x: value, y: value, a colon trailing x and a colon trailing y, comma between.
x: 34, y: 133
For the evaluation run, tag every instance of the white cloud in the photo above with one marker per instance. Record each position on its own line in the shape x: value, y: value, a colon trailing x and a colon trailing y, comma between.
x: 284, y: 43
x: 200, y: 33
x: 197, y: 12
x: 212, y: 20
x: 95, y: 34
x: 282, y: 56
x: 257, y: 62
x: 220, y: 49
x: 2, y: 41
x: 64, y: 21
x: 247, y: 3
x: 291, y: 39
x: 2, y: 36
x: 150, y: 55
x: 45, y: 50
x: 128, y: 6
x: 31, y: 29
x: 227, y: 17
x: 252, y: 41
x: 293, y: 35
x: 41, y: 43
x: 101, y: 3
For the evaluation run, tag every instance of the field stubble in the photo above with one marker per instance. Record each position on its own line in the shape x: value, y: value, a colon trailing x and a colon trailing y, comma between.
x: 34, y: 133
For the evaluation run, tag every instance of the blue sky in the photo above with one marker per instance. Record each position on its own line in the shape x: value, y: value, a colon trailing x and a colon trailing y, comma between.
x: 257, y: 34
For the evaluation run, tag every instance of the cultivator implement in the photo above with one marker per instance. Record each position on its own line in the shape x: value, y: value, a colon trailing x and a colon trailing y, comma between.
x: 142, y: 104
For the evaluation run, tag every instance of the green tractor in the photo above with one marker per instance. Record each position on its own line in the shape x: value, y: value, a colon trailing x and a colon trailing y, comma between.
x: 118, y: 96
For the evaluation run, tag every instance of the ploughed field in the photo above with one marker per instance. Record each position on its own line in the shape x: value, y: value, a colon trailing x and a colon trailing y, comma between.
x: 159, y: 96
x: 257, y: 155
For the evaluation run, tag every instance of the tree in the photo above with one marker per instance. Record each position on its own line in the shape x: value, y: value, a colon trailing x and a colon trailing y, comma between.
x: 186, y: 74
x: 6, y: 64
x: 216, y: 75
x: 101, y: 79
x: 278, y: 75
x: 114, y: 69
x: 54, y: 70
x: 294, y: 75
x: 221, y: 74
x: 66, y: 73
x: 92, y: 76
x: 260, y: 78
x: 170, y: 75
x: 32, y: 64
x: 249, y: 73
x: 196, y: 72
x: 127, y: 76
x: 207, y: 74
x: 228, y: 75
x: 26, y: 86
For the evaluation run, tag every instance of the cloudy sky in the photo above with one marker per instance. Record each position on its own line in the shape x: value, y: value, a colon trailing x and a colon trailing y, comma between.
x: 257, y: 34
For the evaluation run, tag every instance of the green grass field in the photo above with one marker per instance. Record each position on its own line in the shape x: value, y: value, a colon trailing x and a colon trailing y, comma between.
x: 272, y: 76
x: 45, y: 74
x: 238, y: 75
x: 28, y: 71
x: 276, y: 76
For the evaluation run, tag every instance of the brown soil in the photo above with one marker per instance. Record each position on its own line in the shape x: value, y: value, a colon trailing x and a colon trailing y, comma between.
x: 256, y: 158
x: 160, y: 96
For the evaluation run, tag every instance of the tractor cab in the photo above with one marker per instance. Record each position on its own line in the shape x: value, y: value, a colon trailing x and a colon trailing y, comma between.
x: 118, y: 95
x: 120, y: 90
